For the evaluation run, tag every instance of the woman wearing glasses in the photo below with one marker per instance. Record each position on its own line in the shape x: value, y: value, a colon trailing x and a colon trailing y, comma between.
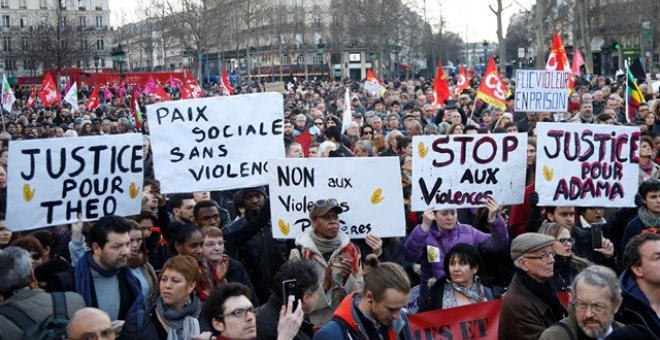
x: 232, y: 316
x: 175, y: 315
x: 567, y: 265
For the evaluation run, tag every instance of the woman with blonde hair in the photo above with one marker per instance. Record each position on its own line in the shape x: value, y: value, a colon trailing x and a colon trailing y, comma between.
x: 567, y: 265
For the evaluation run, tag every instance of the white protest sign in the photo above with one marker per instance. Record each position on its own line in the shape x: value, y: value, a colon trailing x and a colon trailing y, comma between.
x: 51, y: 182
x: 215, y: 143
x: 368, y: 190
x: 459, y: 171
x: 373, y: 87
x: 587, y: 165
x: 542, y: 91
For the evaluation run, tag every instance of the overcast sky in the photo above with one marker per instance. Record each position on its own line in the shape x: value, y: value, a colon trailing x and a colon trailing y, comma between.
x: 471, y: 18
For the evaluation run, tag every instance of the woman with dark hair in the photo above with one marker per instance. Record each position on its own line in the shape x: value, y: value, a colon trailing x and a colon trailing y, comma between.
x: 52, y: 273
x: 33, y: 246
x: 175, y: 314
x: 156, y: 251
x: 367, y: 132
x: 648, y: 169
x: 187, y: 240
x: 567, y: 264
x: 461, y: 286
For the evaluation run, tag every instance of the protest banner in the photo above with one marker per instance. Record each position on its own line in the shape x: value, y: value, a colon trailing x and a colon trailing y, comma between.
x: 542, y: 91
x: 455, y: 171
x: 476, y: 321
x: 215, y: 143
x: 369, y: 203
x: 51, y: 183
x: 587, y: 165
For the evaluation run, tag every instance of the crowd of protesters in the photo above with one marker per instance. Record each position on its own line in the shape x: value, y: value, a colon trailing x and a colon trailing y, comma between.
x: 204, y: 265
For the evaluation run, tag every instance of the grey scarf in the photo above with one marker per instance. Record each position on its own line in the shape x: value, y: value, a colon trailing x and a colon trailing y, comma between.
x: 183, y: 322
x: 325, y: 245
x: 474, y: 293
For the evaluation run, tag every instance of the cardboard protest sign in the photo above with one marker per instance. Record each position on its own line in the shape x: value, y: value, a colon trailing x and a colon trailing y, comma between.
x: 369, y: 203
x: 215, y: 143
x: 50, y: 183
x: 475, y: 321
x: 587, y: 165
x: 453, y: 171
x: 542, y: 91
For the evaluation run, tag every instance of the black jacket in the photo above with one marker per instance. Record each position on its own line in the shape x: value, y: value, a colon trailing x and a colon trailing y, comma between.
x: 437, y: 292
x: 635, y: 308
x: 142, y: 325
x: 252, y: 243
x: 269, y: 316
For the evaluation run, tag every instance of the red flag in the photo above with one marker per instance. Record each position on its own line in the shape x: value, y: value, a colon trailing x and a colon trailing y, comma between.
x: 373, y: 85
x: 371, y: 76
x: 558, y: 60
x: 161, y: 94
x: 190, y: 87
x: 33, y: 97
x: 225, y: 84
x: 471, y: 72
x: 440, y: 87
x: 136, y: 117
x: 304, y: 139
x: 463, y: 81
x: 493, y: 89
x: 48, y: 92
x: 578, y: 62
x: 94, y: 100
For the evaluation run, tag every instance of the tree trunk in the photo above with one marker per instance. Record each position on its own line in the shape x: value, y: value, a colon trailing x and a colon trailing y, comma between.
x: 540, y: 35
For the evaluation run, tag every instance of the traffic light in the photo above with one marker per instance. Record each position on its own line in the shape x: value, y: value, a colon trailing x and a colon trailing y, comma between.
x: 616, y: 46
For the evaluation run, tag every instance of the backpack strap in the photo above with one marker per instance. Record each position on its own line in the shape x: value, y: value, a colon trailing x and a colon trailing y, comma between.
x: 17, y: 316
x: 59, y: 304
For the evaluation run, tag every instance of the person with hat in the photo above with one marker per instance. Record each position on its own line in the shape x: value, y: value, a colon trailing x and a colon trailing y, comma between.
x: 335, y: 255
x: 530, y: 305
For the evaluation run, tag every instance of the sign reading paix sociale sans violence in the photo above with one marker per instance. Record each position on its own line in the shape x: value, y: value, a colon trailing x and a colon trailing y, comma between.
x: 215, y: 143
x: 51, y: 183
x: 370, y: 204
x: 587, y: 165
x: 455, y: 171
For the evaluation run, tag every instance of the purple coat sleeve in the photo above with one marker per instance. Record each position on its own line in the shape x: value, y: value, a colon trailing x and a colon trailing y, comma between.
x: 415, y: 242
x: 497, y: 240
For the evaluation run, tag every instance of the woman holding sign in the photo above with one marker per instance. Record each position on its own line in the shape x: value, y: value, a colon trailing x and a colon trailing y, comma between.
x: 440, y: 230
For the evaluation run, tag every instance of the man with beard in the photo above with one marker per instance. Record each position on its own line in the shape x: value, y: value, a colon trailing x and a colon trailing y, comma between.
x: 596, y: 297
x: 102, y: 276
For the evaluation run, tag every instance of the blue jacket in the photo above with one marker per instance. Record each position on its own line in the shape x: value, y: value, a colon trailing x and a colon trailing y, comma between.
x: 636, y: 308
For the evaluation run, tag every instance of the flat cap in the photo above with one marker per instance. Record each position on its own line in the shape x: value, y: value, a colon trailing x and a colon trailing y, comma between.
x: 529, y: 242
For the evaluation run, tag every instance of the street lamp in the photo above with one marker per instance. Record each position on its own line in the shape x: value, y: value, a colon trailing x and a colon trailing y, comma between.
x: 485, y: 45
x: 320, y: 49
x: 97, y: 61
x: 117, y: 55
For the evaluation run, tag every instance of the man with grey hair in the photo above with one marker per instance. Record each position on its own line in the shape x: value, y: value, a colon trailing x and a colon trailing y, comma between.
x: 17, y: 294
x: 596, y: 297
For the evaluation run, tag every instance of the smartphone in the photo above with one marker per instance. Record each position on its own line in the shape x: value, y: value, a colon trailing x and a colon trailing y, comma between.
x: 290, y: 288
x: 596, y: 236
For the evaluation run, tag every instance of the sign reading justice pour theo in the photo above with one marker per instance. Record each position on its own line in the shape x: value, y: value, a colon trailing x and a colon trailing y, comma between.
x: 50, y: 183
x: 369, y: 203
x: 457, y: 171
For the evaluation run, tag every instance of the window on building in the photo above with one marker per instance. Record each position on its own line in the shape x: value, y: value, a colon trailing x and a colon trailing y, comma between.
x: 99, y: 22
x: 5, y: 21
x: 22, y: 4
x: 22, y: 22
x: 318, y: 59
x: 286, y: 60
x: 63, y: 22
x: 99, y: 44
x: 99, y: 5
x: 24, y: 44
x: 83, y: 22
x: 10, y: 64
x: 300, y: 59
x: 81, y: 5
x: 6, y: 44
x: 317, y: 21
x: 43, y: 4
x: 4, y: 3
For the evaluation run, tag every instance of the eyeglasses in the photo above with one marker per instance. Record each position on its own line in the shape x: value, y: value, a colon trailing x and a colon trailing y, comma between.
x: 596, y: 308
x: 544, y: 257
x: 318, y: 123
x: 567, y: 240
x: 367, y: 133
x: 107, y: 333
x: 240, y: 312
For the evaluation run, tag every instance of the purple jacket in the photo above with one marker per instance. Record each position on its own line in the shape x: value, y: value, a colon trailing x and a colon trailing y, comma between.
x: 417, y: 242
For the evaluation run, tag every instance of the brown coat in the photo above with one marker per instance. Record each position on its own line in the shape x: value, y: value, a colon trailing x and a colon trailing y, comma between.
x: 522, y: 314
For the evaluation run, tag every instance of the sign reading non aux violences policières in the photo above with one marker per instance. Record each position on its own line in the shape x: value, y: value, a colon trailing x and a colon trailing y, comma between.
x: 369, y: 203
x: 456, y: 171
x: 215, y: 143
x: 52, y: 183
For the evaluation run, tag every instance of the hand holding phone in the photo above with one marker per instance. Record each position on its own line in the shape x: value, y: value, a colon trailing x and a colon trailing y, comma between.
x: 290, y: 288
x: 596, y: 236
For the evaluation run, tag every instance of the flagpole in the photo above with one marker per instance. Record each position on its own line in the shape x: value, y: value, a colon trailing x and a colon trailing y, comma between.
x: 2, y: 109
x: 625, y: 62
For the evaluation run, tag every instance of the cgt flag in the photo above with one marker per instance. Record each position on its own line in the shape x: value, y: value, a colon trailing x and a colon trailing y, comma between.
x: 558, y: 60
x: 190, y: 87
x: 440, y: 87
x: 463, y: 82
x: 493, y: 89
x: 94, y: 101
x: 227, y: 89
x: 48, y: 92
x: 32, y: 98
